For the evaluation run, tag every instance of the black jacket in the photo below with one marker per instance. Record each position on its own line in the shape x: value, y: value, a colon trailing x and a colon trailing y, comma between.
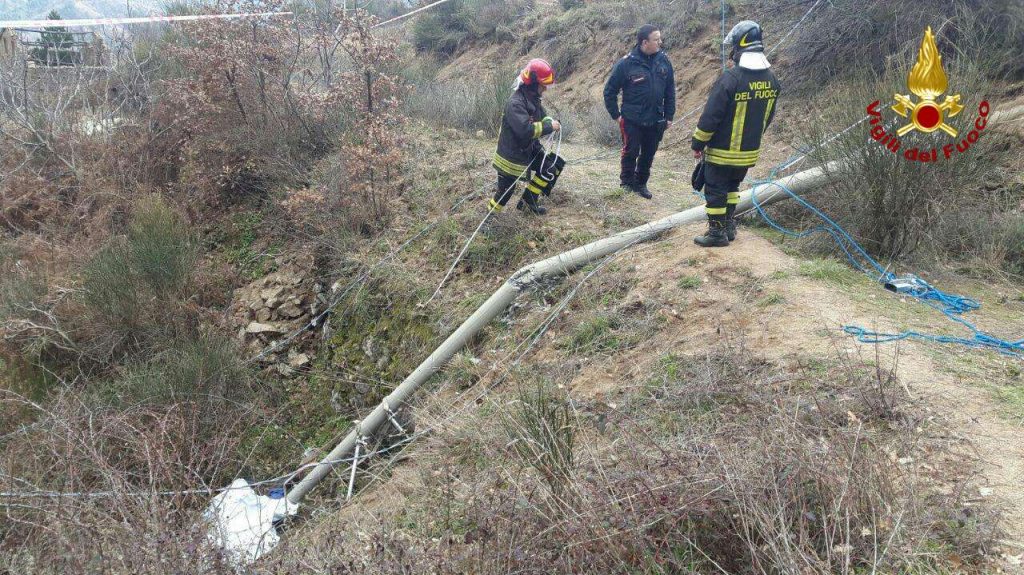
x: 648, y: 86
x: 739, y: 110
x: 523, y: 122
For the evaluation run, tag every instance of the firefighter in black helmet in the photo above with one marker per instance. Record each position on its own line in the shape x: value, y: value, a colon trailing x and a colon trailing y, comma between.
x: 728, y: 135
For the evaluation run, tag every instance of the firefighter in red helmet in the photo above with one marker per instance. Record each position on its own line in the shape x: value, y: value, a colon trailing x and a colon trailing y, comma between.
x: 520, y: 155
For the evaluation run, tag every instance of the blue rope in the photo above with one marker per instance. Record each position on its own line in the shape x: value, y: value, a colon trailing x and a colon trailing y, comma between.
x: 952, y: 306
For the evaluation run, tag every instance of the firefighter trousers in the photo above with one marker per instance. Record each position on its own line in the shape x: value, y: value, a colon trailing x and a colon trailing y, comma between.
x: 721, y: 190
x: 535, y: 185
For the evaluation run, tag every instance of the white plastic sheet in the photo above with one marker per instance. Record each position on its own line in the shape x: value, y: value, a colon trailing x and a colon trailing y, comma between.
x: 242, y: 522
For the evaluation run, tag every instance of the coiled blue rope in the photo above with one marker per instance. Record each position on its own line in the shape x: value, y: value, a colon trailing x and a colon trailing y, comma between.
x: 952, y: 306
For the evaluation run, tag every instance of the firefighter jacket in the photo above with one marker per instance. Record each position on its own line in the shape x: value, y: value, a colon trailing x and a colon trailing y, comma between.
x: 648, y: 86
x: 738, y: 111
x: 523, y: 122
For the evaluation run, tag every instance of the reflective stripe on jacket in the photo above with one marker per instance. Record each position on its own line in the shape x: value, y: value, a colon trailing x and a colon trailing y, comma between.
x: 523, y: 122
x: 740, y: 108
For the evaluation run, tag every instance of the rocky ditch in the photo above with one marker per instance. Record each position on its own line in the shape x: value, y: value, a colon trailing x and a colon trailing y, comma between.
x: 272, y: 308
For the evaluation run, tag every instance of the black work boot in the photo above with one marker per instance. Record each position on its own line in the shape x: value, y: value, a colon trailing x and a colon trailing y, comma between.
x: 529, y: 201
x: 715, y: 237
x: 641, y: 187
x: 730, y: 222
x: 730, y: 229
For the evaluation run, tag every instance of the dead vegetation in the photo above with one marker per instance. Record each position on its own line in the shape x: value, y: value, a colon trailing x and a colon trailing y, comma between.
x: 713, y: 463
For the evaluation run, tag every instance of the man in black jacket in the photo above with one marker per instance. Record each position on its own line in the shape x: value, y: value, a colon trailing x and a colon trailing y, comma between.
x: 739, y: 109
x: 647, y: 82
x: 519, y: 150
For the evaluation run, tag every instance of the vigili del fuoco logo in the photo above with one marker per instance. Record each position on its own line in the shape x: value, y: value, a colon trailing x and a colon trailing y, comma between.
x: 927, y: 81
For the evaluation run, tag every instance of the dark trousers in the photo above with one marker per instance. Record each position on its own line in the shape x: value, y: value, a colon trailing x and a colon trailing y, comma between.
x: 721, y: 190
x: 535, y: 185
x: 505, y: 190
x: 639, y: 143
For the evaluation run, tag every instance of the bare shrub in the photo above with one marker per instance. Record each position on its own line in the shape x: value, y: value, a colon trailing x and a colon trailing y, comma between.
x: 895, y: 207
x: 126, y: 461
x: 984, y: 32
x: 463, y: 103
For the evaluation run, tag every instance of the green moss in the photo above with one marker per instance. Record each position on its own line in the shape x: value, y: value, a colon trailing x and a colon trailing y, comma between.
x: 239, y: 242
x: 380, y: 336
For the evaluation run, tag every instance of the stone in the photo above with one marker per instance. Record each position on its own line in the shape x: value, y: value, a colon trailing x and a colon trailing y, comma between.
x: 370, y: 347
x: 257, y: 327
x: 284, y: 370
x: 298, y: 360
x: 290, y: 310
x: 271, y: 293
x: 263, y: 315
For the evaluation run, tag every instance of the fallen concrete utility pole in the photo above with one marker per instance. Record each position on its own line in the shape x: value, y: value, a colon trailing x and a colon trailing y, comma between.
x: 556, y: 265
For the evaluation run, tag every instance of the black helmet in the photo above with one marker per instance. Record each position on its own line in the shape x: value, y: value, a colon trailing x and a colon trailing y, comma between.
x: 744, y: 37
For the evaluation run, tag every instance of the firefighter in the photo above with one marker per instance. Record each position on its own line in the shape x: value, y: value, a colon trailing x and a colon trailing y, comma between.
x: 647, y: 82
x: 728, y: 136
x: 519, y: 150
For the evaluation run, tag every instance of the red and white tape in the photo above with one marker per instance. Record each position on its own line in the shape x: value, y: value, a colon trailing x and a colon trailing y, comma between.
x: 92, y: 22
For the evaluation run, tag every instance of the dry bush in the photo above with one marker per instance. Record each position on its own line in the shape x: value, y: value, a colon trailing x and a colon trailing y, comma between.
x: 243, y: 109
x: 126, y: 458
x: 874, y: 33
x: 601, y: 128
x: 467, y: 104
x: 897, y: 208
x: 681, y: 21
x: 715, y: 464
x: 542, y: 429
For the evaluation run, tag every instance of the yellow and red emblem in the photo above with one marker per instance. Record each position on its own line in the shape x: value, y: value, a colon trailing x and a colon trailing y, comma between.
x: 928, y: 81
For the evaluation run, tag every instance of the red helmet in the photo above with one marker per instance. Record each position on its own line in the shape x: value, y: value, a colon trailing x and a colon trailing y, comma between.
x: 538, y: 71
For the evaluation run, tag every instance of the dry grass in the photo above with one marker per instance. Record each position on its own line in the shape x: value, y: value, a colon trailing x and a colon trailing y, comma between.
x: 714, y: 463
